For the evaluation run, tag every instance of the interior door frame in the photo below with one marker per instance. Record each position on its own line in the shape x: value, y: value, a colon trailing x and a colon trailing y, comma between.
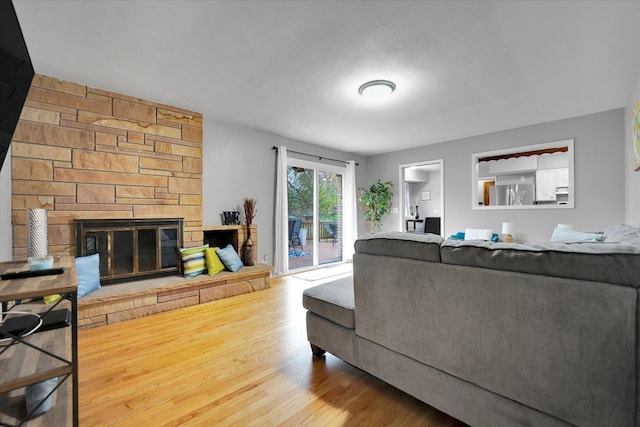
x: 401, y: 201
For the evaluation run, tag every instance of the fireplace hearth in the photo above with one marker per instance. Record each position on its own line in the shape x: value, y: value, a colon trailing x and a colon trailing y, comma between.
x: 131, y: 248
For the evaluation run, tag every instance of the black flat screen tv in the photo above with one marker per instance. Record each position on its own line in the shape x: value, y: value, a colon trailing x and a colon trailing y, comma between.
x: 16, y: 73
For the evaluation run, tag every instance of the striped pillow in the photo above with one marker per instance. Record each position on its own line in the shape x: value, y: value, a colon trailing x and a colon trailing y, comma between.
x: 193, y: 261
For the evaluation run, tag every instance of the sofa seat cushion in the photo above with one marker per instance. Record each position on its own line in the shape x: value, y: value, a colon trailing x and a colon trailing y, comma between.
x: 616, y: 263
x: 333, y: 301
x: 421, y: 247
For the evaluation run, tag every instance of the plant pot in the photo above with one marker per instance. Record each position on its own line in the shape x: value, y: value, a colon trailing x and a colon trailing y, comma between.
x: 38, y: 397
x: 302, y: 235
x: 247, y: 254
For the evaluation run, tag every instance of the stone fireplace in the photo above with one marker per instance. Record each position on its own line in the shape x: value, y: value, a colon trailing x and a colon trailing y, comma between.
x: 83, y: 152
x: 87, y: 153
x: 131, y: 248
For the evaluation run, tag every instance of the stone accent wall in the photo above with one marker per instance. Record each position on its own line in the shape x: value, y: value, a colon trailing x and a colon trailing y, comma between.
x: 81, y: 152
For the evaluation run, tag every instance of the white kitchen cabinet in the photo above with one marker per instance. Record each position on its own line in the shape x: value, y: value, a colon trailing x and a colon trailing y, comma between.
x: 562, y: 177
x: 546, y: 183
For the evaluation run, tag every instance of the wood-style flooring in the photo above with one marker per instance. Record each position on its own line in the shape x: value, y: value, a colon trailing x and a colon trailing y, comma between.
x: 240, y: 361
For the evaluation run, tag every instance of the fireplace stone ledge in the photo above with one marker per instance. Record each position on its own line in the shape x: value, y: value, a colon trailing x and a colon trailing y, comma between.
x: 123, y: 301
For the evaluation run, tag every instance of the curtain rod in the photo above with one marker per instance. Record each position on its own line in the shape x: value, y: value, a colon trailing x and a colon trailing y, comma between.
x: 314, y: 155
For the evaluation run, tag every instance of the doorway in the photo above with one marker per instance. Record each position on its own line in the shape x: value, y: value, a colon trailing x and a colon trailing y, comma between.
x: 421, y: 197
x: 315, y: 199
x: 487, y: 187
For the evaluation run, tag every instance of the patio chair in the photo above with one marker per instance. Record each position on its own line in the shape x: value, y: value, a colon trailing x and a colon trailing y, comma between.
x: 332, y: 230
x: 294, y: 235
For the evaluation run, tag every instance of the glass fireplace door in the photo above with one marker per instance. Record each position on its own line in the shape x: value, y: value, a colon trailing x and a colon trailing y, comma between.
x: 131, y: 248
x: 122, y: 252
x: 98, y: 242
x: 147, y: 249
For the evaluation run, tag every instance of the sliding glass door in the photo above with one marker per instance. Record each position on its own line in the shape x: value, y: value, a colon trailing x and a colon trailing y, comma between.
x: 315, y: 199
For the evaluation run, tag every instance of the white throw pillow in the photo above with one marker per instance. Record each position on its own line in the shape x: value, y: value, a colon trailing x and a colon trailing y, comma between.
x: 478, y: 234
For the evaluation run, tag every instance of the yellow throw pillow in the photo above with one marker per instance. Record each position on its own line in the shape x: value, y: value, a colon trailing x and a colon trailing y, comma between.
x: 52, y: 298
x: 214, y: 265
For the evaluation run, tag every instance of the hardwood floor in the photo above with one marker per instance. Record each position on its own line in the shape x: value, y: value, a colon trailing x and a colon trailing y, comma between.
x: 240, y: 361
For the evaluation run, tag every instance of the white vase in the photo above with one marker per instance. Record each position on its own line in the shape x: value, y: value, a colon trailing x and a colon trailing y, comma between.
x: 37, y: 243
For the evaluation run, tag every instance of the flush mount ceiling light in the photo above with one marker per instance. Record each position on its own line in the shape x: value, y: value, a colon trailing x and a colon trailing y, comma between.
x: 377, y: 89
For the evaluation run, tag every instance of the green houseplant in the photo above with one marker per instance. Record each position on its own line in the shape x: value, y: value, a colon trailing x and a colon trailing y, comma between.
x: 376, y: 201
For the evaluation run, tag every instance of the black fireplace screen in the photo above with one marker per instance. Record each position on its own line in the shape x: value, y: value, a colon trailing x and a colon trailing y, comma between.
x: 131, y: 248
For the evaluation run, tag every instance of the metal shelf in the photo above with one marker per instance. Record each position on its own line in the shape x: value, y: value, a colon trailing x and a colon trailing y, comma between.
x: 42, y: 355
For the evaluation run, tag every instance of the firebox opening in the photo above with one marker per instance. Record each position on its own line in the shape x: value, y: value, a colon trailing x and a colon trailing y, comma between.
x: 221, y: 238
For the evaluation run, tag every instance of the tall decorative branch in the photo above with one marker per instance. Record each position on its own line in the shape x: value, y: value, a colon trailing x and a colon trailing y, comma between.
x: 249, y: 213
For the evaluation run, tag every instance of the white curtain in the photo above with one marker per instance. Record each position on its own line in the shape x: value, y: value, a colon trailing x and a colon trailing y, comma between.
x: 281, y: 256
x: 350, y: 215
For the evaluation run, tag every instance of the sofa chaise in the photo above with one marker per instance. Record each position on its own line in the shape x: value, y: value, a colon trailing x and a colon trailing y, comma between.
x: 494, y: 334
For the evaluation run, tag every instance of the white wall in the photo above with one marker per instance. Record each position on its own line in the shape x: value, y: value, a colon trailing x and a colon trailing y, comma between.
x: 238, y: 162
x: 432, y: 207
x: 632, y: 183
x: 426, y: 207
x: 599, y: 176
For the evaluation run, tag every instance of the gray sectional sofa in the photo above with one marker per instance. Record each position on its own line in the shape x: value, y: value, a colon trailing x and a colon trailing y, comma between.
x: 494, y: 334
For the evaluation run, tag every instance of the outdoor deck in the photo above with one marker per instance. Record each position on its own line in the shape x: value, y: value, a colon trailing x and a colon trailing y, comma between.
x: 327, y: 252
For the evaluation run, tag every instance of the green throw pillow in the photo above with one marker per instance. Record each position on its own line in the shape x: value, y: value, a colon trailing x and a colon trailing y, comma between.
x: 50, y: 299
x: 214, y: 265
x: 193, y: 262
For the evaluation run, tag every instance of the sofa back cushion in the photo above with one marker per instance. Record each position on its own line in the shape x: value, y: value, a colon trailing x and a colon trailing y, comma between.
x: 418, y: 246
x: 616, y: 263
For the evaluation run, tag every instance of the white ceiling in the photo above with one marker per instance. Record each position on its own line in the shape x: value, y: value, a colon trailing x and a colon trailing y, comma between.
x: 294, y: 67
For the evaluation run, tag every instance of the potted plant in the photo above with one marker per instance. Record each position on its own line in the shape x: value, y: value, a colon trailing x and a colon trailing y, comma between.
x: 376, y: 201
